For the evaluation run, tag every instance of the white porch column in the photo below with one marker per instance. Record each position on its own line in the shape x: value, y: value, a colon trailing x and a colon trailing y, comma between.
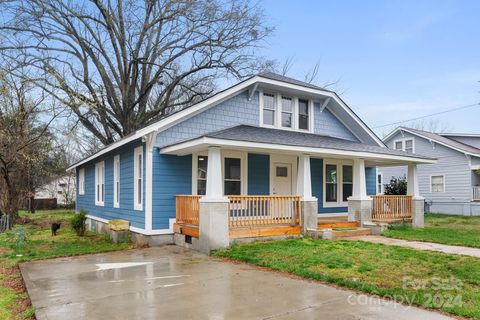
x: 214, y: 214
x: 359, y: 204
x: 149, y: 145
x: 304, y: 188
x: 214, y: 174
x: 418, y: 201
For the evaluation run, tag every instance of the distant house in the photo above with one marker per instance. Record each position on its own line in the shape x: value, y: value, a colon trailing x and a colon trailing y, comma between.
x: 62, y: 188
x: 263, y: 157
x: 452, y: 185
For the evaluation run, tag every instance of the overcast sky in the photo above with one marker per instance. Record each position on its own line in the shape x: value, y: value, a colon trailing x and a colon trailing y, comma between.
x: 396, y: 60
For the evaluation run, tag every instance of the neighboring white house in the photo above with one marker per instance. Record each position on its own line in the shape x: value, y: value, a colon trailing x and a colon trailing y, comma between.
x: 452, y: 185
x: 62, y: 188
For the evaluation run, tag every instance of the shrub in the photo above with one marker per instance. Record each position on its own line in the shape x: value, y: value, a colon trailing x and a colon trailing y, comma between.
x: 20, y: 236
x: 396, y: 187
x: 78, y: 222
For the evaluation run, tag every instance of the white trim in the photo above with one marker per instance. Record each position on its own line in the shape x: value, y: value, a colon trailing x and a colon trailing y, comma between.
x: 444, y: 184
x: 333, y: 214
x: 81, y: 182
x: 116, y: 179
x: 97, y: 218
x: 404, y: 144
x: 100, y: 181
x: 203, y: 142
x: 218, y: 98
x: 430, y: 139
x: 339, y: 164
x: 467, y: 135
x: 155, y: 232
x: 243, y: 156
x: 138, y: 203
x: 148, y: 176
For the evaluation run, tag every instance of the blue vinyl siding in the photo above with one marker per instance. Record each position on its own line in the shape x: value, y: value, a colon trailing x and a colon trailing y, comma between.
x: 126, y: 211
x: 172, y: 175
x: 371, y: 177
x: 258, y: 174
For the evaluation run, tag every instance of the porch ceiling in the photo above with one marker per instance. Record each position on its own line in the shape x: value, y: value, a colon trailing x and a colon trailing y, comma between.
x: 266, y: 140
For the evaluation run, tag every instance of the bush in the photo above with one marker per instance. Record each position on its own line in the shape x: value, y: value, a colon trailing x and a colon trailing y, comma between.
x: 396, y: 187
x: 20, y: 236
x: 78, y: 222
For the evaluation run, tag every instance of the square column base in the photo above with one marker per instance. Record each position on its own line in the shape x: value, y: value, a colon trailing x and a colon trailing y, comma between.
x: 360, y: 210
x: 213, y: 225
x: 309, y: 215
x: 418, y: 213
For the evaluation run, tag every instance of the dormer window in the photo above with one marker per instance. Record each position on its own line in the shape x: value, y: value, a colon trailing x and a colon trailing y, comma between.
x: 405, y: 145
x: 286, y: 112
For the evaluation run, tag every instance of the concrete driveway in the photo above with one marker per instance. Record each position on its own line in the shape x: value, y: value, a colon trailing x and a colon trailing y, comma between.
x: 174, y: 283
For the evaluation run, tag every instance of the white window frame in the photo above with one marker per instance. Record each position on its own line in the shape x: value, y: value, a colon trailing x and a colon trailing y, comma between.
x: 382, y: 185
x: 443, y: 178
x: 278, y: 112
x: 81, y: 182
x: 138, y: 202
x: 116, y: 181
x: 225, y: 154
x: 100, y: 183
x: 404, y: 144
x: 339, y: 164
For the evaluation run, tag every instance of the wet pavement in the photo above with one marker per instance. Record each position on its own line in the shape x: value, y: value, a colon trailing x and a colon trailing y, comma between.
x: 175, y: 283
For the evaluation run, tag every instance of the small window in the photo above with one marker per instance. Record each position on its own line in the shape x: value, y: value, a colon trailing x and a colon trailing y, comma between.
x: 347, y: 179
x: 138, y: 179
x: 287, y: 112
x: 116, y: 181
x: 269, y: 107
x: 331, y: 183
x: 405, y: 145
x: 232, y: 183
x: 380, y: 187
x: 303, y: 117
x: 282, y: 172
x: 399, y: 145
x: 100, y: 183
x: 81, y: 182
x: 202, y: 163
x: 409, y: 146
x: 438, y: 183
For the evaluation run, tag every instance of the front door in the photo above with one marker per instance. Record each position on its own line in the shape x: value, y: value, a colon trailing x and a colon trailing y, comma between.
x: 282, y: 179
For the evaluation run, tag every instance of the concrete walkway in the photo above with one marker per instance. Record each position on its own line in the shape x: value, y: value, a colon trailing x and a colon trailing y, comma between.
x: 174, y: 283
x: 420, y: 245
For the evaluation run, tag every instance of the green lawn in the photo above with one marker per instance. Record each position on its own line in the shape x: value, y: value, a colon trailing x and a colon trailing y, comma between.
x: 39, y: 244
x: 447, y: 282
x: 446, y: 229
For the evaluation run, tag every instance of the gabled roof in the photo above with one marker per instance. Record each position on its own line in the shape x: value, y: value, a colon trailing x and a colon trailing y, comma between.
x: 265, y: 78
x: 438, y: 138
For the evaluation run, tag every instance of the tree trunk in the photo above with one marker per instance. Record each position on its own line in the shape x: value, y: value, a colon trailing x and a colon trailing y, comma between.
x: 32, y: 204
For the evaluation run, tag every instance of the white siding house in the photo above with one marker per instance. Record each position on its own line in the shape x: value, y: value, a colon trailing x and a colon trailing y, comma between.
x: 452, y: 185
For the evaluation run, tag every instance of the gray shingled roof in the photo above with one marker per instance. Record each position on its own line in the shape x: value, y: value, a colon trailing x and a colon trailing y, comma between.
x: 279, y: 77
x: 449, y: 142
x: 292, y: 138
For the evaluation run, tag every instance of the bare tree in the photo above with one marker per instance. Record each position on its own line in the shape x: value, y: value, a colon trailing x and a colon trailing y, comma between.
x: 432, y: 125
x: 25, y: 142
x: 120, y: 65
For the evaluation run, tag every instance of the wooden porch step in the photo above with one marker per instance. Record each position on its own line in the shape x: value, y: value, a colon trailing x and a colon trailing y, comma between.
x: 341, y: 234
x: 325, y: 224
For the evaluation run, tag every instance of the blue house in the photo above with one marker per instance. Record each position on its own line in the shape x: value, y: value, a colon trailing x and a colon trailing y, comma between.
x: 269, y: 148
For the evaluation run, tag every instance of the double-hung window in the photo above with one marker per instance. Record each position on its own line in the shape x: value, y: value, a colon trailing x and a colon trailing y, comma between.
x: 331, y: 183
x: 405, y: 145
x: 202, y: 164
x: 116, y: 181
x: 269, y: 107
x: 232, y: 174
x: 287, y: 112
x: 100, y: 183
x: 81, y: 182
x: 380, y: 187
x: 347, y: 182
x: 138, y: 178
x: 303, y: 117
x: 338, y: 183
x: 437, y: 184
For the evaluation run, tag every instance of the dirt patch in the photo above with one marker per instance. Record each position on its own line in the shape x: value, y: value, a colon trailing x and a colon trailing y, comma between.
x: 13, y: 280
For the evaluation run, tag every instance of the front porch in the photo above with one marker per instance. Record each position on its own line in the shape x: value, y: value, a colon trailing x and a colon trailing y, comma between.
x: 249, y: 190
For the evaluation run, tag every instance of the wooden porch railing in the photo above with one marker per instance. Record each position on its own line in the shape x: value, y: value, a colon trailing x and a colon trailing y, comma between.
x: 264, y: 210
x: 187, y: 209
x: 392, y: 207
x: 476, y: 193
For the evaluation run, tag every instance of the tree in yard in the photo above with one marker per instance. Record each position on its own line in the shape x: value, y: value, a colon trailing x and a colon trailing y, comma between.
x: 121, y: 65
x: 25, y: 143
x: 397, y: 186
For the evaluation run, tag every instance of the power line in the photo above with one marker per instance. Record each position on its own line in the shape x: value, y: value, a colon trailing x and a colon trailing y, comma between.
x: 429, y: 115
